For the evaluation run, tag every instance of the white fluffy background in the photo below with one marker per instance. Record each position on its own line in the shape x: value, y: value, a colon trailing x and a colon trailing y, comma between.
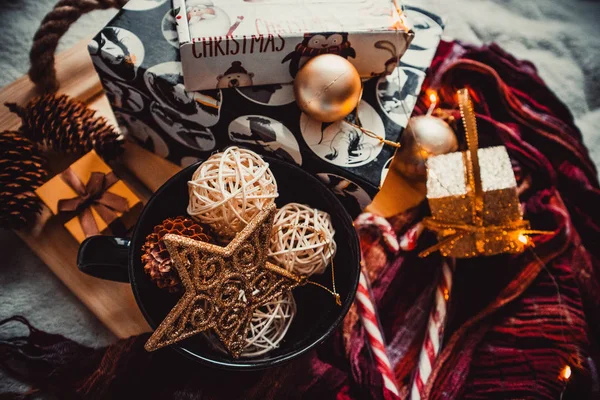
x: 561, y: 37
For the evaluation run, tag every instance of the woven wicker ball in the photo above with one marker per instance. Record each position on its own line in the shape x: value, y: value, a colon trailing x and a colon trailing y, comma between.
x: 269, y: 325
x: 302, y: 239
x: 230, y: 188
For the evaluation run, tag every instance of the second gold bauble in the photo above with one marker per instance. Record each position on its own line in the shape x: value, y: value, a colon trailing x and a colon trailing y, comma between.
x: 425, y: 136
x: 327, y: 88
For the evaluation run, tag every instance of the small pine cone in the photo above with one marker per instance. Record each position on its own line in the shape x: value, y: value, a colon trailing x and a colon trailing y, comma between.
x: 22, y: 170
x: 66, y: 125
x: 155, y: 257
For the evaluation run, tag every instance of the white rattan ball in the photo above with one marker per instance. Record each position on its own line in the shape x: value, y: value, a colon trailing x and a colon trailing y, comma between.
x: 269, y: 325
x: 230, y: 188
x: 302, y: 239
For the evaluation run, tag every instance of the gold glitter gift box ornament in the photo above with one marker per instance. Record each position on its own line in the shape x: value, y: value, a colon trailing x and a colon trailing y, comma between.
x: 473, y: 198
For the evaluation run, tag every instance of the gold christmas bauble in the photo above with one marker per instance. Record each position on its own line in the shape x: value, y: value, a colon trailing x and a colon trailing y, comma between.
x: 327, y: 88
x: 425, y: 136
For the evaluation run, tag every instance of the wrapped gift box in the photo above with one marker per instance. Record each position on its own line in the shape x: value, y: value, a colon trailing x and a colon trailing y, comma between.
x: 451, y: 201
x: 237, y: 43
x: 111, y: 204
x: 138, y: 61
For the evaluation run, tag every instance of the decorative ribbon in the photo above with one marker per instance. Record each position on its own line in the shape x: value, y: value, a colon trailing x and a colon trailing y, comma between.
x: 454, y: 231
x: 94, y: 195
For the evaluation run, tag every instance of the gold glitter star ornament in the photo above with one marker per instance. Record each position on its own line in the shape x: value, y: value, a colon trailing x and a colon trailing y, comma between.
x: 223, y: 285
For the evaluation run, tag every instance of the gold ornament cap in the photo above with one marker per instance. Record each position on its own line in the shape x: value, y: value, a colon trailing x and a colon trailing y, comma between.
x: 328, y: 88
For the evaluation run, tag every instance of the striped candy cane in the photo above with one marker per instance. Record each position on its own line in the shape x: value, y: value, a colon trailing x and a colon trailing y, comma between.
x: 408, y: 241
x: 366, y: 306
x: 368, y: 316
x: 434, y: 334
x: 387, y: 232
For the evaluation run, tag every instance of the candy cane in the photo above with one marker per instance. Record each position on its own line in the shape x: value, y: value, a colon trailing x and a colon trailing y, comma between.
x: 368, y: 316
x: 408, y: 241
x: 366, y: 306
x: 387, y: 232
x: 435, y: 332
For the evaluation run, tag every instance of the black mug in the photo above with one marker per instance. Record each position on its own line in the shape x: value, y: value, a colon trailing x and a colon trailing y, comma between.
x: 317, y: 314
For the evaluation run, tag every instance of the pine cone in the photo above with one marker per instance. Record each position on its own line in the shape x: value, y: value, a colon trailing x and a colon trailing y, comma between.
x: 155, y: 257
x: 22, y: 170
x: 66, y: 125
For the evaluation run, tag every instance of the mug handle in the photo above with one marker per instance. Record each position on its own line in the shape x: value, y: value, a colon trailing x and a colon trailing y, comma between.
x: 104, y: 257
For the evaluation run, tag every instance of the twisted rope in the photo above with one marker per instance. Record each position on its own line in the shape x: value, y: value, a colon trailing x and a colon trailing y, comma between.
x: 52, y: 28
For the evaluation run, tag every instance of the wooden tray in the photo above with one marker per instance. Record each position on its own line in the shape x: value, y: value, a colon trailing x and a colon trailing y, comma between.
x: 113, y: 303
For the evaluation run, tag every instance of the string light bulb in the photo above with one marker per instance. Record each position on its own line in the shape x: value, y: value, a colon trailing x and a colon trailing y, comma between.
x: 433, y: 97
x: 446, y: 294
x: 564, y: 376
x: 433, y: 100
x: 523, y: 239
x: 565, y: 373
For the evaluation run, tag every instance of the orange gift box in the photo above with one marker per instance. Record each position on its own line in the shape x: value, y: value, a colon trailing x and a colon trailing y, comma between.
x: 101, y: 203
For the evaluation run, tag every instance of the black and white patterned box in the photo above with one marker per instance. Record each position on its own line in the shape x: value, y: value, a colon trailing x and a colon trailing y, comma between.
x: 137, y: 58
